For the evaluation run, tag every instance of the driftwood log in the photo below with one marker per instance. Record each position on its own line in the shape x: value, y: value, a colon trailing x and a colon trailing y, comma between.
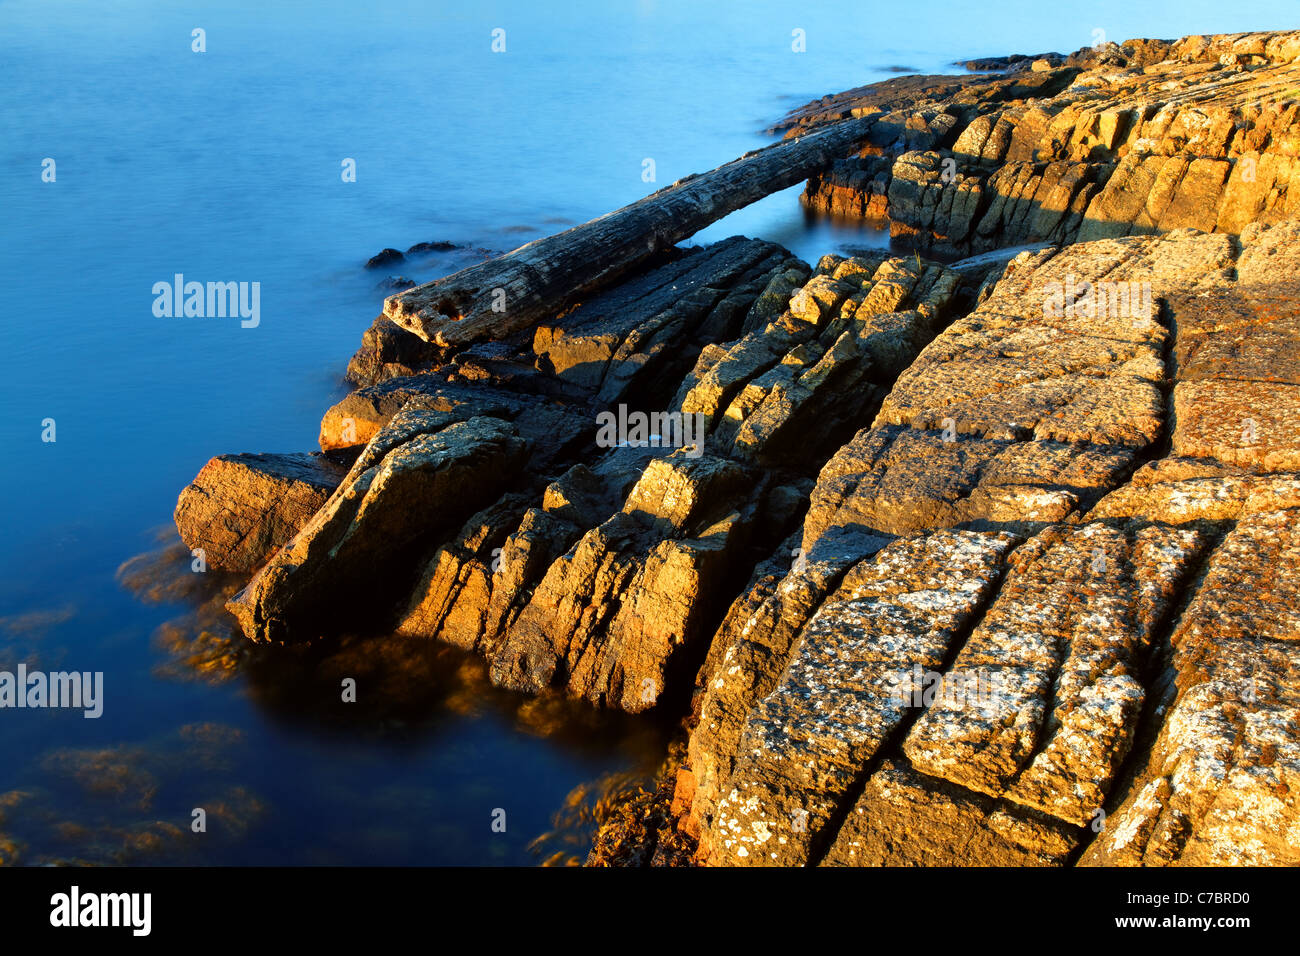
x: 535, y: 281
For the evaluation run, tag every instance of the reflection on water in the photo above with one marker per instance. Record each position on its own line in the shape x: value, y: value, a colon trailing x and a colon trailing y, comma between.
x: 405, y: 686
x: 134, y: 803
x: 22, y: 637
x: 807, y: 233
x: 119, y: 804
x: 586, y: 807
x: 200, y: 644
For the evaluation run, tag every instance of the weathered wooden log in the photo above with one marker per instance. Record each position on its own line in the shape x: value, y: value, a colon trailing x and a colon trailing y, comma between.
x: 537, y: 280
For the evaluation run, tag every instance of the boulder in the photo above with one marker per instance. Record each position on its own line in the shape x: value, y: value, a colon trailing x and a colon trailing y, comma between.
x: 418, y: 476
x: 240, y: 508
x: 384, y: 258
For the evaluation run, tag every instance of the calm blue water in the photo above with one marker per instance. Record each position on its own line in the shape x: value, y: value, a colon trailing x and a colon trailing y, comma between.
x: 225, y: 165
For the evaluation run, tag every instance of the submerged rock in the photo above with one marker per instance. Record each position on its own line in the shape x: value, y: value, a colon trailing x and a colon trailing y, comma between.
x: 384, y: 258
x: 396, y: 284
x: 424, y: 248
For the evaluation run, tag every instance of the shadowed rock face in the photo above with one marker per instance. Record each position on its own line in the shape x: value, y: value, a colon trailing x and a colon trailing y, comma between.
x: 611, y: 582
x: 620, y: 342
x: 392, y: 499
x: 987, y: 564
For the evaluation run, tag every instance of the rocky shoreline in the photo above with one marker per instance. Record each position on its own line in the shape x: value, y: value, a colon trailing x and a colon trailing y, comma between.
x: 983, y: 547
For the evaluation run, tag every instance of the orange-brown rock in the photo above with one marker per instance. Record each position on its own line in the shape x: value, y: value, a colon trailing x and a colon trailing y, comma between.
x: 240, y: 508
x: 1145, y: 137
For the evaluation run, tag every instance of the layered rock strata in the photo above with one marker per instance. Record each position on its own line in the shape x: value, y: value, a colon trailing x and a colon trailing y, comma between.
x: 987, y: 563
x: 1147, y: 137
x: 1086, y: 678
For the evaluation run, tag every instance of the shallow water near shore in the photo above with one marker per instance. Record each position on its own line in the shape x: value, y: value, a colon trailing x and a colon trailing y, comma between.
x: 225, y: 166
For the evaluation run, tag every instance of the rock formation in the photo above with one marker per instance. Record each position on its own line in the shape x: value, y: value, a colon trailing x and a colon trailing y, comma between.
x: 241, y: 508
x: 979, y: 562
x: 990, y: 621
x: 1145, y: 138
